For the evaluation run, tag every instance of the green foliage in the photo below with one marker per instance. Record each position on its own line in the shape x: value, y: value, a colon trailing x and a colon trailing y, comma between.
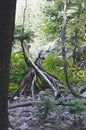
x: 76, y: 106
x: 54, y: 65
x: 53, y: 19
x: 76, y: 20
x: 48, y: 104
x: 76, y: 75
x: 26, y: 35
x: 13, y: 87
x: 17, y: 70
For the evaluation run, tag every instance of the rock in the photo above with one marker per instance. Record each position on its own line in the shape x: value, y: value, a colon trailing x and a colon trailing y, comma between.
x: 23, y: 127
x: 41, y: 127
x: 62, y: 126
x: 16, y: 98
x: 29, y: 118
x: 23, y: 120
x: 48, y: 124
x: 36, y: 120
x: 67, y: 118
x: 12, y: 119
x: 48, y: 47
x: 83, y: 116
x: 10, y: 129
x: 83, y: 65
x: 29, y: 98
x: 83, y: 94
x: 23, y: 98
x: 84, y: 126
x: 69, y: 97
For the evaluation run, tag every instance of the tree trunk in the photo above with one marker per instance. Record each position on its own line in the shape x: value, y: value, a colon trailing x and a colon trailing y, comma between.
x: 7, y: 20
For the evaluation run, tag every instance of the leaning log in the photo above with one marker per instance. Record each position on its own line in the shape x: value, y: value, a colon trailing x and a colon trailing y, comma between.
x: 42, y: 75
x: 30, y: 80
x: 39, y: 72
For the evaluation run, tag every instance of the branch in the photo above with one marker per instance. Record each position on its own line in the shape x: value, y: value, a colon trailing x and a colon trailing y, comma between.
x: 31, y: 63
x: 25, y: 104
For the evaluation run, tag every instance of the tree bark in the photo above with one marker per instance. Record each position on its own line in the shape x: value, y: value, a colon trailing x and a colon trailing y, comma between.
x: 7, y: 20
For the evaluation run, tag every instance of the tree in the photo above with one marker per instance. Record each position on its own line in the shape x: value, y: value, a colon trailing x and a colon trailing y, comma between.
x: 75, y: 22
x: 7, y: 20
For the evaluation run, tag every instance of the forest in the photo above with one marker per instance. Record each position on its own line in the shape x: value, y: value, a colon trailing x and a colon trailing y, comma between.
x: 47, y: 75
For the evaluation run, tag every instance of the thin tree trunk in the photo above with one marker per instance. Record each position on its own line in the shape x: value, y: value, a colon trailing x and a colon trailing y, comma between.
x: 63, y: 51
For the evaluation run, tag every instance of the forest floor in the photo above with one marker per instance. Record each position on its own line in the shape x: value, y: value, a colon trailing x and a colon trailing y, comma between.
x: 33, y: 117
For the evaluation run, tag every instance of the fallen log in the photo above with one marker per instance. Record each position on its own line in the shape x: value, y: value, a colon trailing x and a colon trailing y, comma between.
x: 26, y: 104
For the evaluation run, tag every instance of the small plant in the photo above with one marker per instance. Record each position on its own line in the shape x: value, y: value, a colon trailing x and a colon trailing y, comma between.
x: 18, y: 69
x: 76, y: 106
x: 46, y: 106
x: 13, y: 87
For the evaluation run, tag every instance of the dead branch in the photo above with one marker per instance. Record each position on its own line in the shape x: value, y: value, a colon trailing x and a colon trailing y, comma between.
x: 25, y: 104
x: 26, y: 84
x: 30, y: 80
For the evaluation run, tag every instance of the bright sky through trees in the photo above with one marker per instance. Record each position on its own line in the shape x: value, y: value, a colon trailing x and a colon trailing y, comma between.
x: 34, y: 16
